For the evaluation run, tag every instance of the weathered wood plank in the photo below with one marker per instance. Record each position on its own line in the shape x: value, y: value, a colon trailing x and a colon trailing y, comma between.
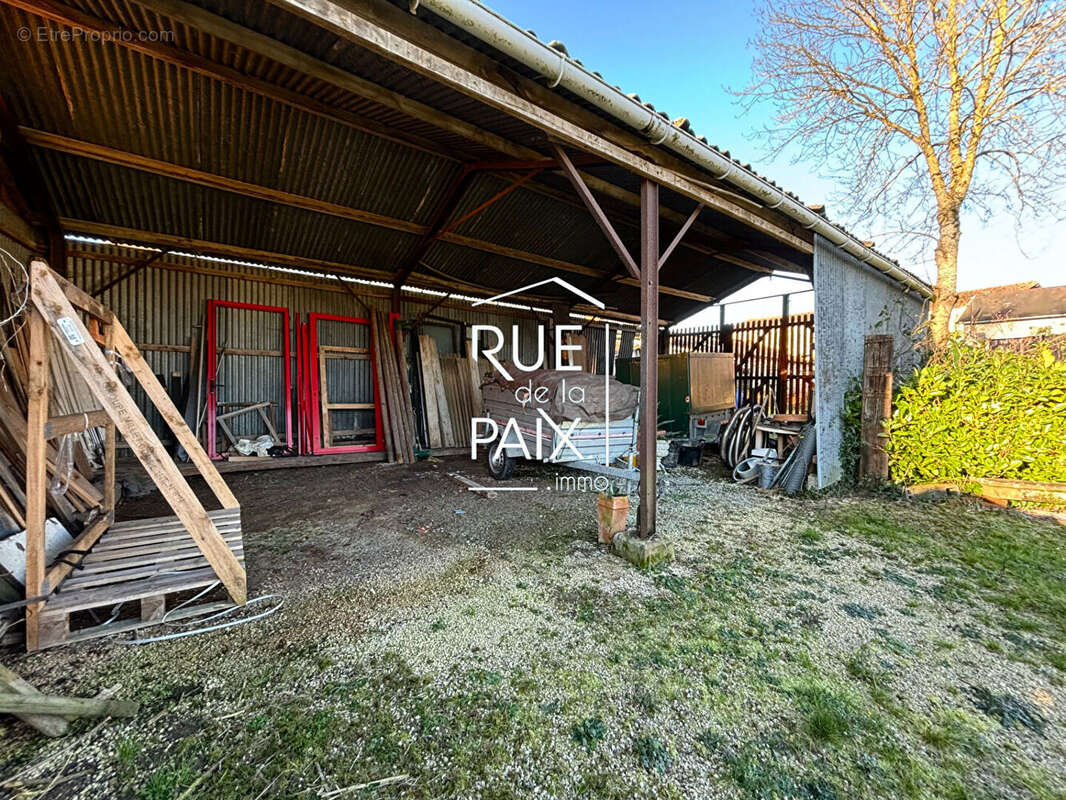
x: 47, y: 724
x: 171, y: 416
x: 116, y: 400
x: 11, y: 703
x: 36, y: 470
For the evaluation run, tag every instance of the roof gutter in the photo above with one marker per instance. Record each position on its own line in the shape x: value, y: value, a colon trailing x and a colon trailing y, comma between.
x: 560, y: 70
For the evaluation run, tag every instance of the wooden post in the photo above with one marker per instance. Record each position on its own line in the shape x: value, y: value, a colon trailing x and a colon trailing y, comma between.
x: 36, y: 469
x: 110, y: 432
x: 649, y: 354
x: 876, y: 406
x: 782, y: 358
x: 64, y: 322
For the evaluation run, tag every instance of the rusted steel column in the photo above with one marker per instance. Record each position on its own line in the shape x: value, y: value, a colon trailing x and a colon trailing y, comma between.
x: 649, y: 353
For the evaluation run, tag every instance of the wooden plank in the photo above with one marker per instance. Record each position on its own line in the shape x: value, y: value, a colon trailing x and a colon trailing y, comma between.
x: 110, y: 434
x: 36, y: 469
x: 405, y: 403
x: 149, y: 556
x: 383, y: 395
x: 139, y: 553
x: 48, y: 724
x: 155, y: 166
x: 127, y: 626
x: 155, y: 523
x: 173, y: 418
x: 876, y: 406
x: 164, y: 566
x: 12, y: 703
x: 1023, y: 491
x: 323, y: 399
x: 239, y: 411
x: 75, y: 423
x: 429, y: 394
x: 333, y: 350
x: 294, y: 462
x: 112, y: 395
x: 57, y: 572
x: 64, y: 603
x: 431, y: 364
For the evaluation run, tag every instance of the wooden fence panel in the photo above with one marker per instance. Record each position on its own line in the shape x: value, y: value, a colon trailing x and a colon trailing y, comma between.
x: 770, y: 355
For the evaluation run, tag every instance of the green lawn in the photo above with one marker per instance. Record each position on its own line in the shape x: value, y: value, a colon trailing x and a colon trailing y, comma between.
x: 819, y: 648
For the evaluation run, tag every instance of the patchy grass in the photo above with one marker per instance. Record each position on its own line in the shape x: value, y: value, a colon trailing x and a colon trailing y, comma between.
x: 784, y: 655
x: 1013, y: 562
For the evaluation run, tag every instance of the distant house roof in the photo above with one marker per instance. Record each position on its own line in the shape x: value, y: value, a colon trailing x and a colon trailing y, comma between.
x: 1015, y: 302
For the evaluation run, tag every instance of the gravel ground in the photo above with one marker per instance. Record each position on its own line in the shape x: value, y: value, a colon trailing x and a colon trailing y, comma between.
x: 489, y: 647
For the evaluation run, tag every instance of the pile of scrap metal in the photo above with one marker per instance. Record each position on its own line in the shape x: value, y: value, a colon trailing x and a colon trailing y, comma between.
x: 744, y: 448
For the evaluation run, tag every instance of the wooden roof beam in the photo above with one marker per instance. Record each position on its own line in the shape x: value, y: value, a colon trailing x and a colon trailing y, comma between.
x: 246, y: 38
x: 154, y: 166
x: 405, y: 39
x: 597, y: 213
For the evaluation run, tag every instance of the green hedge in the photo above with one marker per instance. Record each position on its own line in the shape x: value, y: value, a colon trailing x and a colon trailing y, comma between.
x: 975, y: 412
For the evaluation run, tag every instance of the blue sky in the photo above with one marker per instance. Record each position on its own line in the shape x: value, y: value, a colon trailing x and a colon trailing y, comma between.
x: 682, y: 56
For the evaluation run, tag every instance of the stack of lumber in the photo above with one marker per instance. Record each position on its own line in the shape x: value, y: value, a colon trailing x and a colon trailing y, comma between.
x: 75, y: 497
x: 451, y: 389
x: 463, y: 391
x: 394, y: 390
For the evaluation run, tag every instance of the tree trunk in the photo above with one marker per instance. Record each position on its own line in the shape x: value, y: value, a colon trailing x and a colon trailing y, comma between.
x: 947, y: 266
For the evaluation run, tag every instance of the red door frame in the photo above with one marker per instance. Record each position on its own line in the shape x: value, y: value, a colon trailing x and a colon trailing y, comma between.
x: 312, y: 388
x: 212, y: 307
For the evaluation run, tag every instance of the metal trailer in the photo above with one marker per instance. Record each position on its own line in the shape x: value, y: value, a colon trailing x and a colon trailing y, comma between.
x: 602, y: 446
x: 696, y: 392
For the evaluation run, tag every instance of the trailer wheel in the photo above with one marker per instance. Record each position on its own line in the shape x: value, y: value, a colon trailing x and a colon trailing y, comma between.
x: 500, y: 464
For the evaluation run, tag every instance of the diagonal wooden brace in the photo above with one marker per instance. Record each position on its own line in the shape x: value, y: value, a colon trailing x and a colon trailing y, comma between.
x: 585, y: 194
x: 87, y: 358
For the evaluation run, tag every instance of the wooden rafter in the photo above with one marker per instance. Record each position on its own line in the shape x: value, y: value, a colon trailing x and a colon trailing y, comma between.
x: 601, y: 219
x: 680, y: 235
x: 360, y: 29
x: 269, y: 48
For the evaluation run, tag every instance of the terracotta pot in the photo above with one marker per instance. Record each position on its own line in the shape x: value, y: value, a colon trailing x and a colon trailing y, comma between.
x: 611, y: 515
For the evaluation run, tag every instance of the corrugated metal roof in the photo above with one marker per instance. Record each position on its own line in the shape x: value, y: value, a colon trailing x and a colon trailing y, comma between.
x: 108, y: 94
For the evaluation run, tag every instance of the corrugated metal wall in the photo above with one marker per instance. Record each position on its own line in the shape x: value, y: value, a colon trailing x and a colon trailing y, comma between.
x: 163, y: 309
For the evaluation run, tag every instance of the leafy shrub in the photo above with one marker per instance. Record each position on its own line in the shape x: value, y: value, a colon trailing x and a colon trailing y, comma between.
x: 851, y: 431
x: 976, y: 412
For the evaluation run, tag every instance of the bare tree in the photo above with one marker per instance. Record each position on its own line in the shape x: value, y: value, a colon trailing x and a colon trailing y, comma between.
x: 925, y: 109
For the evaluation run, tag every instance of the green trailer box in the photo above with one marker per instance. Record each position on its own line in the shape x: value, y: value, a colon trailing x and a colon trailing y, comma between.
x: 690, y: 384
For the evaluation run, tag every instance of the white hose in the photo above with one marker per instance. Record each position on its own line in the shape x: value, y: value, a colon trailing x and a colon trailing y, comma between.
x: 209, y: 628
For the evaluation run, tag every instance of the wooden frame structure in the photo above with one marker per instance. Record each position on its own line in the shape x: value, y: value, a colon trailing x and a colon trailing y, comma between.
x: 319, y: 405
x: 213, y: 417
x: 548, y: 133
x: 145, y: 560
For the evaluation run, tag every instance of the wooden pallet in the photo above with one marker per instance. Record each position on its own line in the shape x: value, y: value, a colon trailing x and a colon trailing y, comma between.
x: 141, y: 560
